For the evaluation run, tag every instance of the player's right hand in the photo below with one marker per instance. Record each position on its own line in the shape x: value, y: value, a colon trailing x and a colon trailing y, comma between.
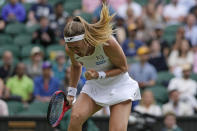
x: 70, y: 99
x: 91, y: 74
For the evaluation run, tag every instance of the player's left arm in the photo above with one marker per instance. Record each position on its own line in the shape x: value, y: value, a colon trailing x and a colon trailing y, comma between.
x: 116, y: 55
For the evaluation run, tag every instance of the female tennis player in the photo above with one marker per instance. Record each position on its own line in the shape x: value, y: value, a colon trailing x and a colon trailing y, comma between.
x: 108, y: 83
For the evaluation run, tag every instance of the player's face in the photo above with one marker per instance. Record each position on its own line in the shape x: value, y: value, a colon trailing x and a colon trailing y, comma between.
x: 78, y: 47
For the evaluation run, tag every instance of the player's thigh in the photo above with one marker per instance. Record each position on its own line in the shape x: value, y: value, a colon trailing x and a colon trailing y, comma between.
x: 83, y: 108
x: 119, y: 115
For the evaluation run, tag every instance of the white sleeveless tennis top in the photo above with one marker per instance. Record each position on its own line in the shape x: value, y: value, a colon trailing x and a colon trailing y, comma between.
x: 111, y: 90
x: 97, y: 61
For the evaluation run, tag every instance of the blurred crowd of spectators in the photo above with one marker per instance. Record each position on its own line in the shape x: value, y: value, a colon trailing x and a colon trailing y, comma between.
x: 145, y: 31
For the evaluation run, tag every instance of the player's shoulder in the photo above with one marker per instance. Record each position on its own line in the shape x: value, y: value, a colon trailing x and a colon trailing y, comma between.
x: 111, y: 43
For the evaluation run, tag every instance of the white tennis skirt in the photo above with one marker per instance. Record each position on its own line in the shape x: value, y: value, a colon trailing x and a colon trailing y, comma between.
x: 112, y: 90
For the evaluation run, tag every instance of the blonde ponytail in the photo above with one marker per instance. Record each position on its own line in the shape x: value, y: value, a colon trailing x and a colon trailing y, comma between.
x: 99, y: 32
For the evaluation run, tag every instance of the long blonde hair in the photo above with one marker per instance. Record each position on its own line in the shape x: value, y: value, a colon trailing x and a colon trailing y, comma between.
x: 95, y: 34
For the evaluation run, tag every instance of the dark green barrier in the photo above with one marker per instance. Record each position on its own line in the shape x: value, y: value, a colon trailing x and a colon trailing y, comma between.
x: 39, y: 123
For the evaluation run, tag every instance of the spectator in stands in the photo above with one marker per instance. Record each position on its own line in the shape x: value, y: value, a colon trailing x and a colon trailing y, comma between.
x: 180, y: 36
x: 45, y: 85
x: 143, y: 72
x: 179, y: 57
x: 89, y: 6
x: 195, y: 59
x: 3, y: 105
x: 31, y: 20
x: 142, y: 34
x: 29, y: 1
x: 7, y: 69
x: 97, y: 11
x: 158, y: 32
x: 2, y: 87
x: 34, y: 68
x: 116, y: 4
x: 186, y: 86
x: 44, y: 35
x: 191, y: 29
x: 170, y: 122
x: 58, y: 19
x: 174, y: 13
x: 150, y: 19
x: 121, y: 30
x: 59, y: 68
x: 2, y: 26
x: 147, y: 105
x: 158, y: 35
x: 20, y: 85
x: 130, y: 45
x: 176, y: 106
x: 193, y: 10
x: 42, y: 8
x: 137, y: 9
x: 4, y: 93
x: 13, y: 11
x: 130, y: 19
x: 157, y: 58
x: 3, y: 108
x: 187, y: 3
x: 65, y: 83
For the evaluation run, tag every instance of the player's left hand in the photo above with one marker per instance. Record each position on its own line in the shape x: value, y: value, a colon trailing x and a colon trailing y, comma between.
x: 91, y: 74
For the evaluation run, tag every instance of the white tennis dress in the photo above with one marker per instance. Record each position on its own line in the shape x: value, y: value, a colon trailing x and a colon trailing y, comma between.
x: 111, y: 90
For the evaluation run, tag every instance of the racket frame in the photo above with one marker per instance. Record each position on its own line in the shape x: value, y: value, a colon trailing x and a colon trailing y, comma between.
x: 66, y: 107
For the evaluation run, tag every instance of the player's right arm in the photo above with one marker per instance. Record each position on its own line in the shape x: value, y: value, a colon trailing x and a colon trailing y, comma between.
x: 75, y: 69
x: 75, y: 73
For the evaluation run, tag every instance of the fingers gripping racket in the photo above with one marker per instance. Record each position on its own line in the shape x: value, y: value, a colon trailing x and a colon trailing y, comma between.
x: 58, y: 105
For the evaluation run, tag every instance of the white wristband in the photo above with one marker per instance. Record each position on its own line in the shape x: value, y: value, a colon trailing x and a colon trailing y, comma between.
x: 72, y: 91
x: 102, y: 75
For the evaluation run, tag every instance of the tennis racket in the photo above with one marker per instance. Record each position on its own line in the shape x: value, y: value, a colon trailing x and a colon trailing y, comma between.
x: 58, y: 105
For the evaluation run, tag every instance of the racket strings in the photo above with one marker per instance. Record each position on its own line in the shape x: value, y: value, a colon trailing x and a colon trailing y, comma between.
x: 56, y: 108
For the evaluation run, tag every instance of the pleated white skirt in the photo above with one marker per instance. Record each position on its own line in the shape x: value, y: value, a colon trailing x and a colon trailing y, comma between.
x: 112, y: 90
